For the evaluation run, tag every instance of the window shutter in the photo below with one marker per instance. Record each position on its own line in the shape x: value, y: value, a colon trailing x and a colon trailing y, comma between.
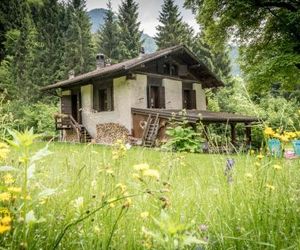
x: 148, y: 96
x: 112, y: 98
x: 193, y: 99
x: 96, y: 99
x: 162, y: 99
x: 66, y: 104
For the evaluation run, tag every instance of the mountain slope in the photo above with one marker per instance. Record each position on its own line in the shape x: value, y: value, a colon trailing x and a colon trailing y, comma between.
x: 97, y: 18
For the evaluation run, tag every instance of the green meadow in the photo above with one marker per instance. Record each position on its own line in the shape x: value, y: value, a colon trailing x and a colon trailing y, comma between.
x: 97, y: 197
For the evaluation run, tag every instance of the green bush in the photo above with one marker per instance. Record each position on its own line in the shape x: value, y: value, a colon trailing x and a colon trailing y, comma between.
x: 38, y: 116
x: 182, y: 137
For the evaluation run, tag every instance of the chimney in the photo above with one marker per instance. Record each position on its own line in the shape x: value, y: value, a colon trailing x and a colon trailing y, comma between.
x: 100, y: 61
x: 71, y: 74
x: 142, y: 51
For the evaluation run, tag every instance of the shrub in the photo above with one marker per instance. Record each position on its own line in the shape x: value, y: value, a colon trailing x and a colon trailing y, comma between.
x: 182, y: 137
x: 38, y: 116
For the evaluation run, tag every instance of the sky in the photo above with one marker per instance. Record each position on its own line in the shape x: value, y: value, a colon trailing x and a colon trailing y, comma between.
x: 148, y: 12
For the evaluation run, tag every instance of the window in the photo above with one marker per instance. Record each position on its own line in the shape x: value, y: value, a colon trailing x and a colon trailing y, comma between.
x: 155, y: 93
x: 103, y: 100
x: 188, y: 96
x: 103, y: 96
x: 170, y: 69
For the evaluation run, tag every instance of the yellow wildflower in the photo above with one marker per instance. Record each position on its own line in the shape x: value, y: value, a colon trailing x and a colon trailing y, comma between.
x: 97, y: 229
x: 257, y: 164
x: 127, y: 203
x: 136, y: 176
x: 4, y: 228
x: 4, y: 150
x: 277, y: 167
x: 14, y: 189
x: 109, y: 171
x: 269, y: 131
x: 284, y: 138
x: 6, y: 220
x: 248, y: 175
x: 112, y: 202
x: 144, y: 215
x: 5, y: 196
x: 151, y: 173
x: 8, y: 179
x: 122, y: 187
x: 141, y: 167
x: 260, y: 157
x: 270, y: 187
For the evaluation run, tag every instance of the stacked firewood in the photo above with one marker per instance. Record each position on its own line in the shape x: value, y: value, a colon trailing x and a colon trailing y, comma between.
x: 108, y: 133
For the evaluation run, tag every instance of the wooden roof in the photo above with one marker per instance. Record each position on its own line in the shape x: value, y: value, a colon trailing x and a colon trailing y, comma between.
x: 195, y: 116
x: 198, y: 69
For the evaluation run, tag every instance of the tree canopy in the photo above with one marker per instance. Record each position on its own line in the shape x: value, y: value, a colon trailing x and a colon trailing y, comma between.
x: 268, y: 33
x: 171, y: 29
x: 109, y: 35
x: 130, y: 35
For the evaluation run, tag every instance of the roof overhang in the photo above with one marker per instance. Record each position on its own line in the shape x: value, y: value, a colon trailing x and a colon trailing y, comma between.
x: 195, y: 116
x: 197, y: 68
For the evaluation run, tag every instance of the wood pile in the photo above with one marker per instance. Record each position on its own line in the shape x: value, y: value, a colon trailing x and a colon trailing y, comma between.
x: 108, y: 133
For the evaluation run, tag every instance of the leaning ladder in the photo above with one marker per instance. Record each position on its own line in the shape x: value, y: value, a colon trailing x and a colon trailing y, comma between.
x: 151, y: 131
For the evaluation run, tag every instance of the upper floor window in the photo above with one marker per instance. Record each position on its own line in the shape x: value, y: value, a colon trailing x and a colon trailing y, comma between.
x: 170, y: 69
x: 103, y: 96
x: 155, y: 93
x: 188, y: 96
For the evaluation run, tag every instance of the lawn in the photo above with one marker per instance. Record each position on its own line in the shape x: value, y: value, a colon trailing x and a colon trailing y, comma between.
x: 94, y: 197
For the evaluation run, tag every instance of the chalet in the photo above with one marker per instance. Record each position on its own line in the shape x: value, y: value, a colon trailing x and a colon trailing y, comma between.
x: 139, y: 95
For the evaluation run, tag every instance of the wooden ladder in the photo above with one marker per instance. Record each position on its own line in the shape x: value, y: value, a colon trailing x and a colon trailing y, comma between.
x: 151, y: 131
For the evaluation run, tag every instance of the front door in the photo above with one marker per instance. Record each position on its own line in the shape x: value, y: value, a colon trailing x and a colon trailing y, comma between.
x: 76, y: 105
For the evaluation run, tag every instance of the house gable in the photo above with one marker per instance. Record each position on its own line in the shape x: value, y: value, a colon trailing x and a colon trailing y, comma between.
x: 177, y: 61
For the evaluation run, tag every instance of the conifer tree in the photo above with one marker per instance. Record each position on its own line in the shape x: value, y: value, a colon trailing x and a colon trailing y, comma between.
x: 130, y: 35
x: 108, y: 35
x: 172, y: 30
x: 79, y: 50
x: 218, y: 63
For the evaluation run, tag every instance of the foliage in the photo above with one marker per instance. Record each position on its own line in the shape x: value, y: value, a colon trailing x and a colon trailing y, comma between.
x: 6, y: 117
x: 130, y: 34
x: 172, y: 235
x: 37, y: 115
x: 274, y: 111
x: 79, y: 54
x: 150, y: 198
x: 172, y: 30
x: 109, y: 35
x: 182, y: 137
x: 268, y: 31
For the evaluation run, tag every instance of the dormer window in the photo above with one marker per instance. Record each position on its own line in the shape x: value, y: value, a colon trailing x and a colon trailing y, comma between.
x: 170, y: 69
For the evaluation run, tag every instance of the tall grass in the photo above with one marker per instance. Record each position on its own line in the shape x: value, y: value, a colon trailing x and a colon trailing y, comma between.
x: 191, y: 205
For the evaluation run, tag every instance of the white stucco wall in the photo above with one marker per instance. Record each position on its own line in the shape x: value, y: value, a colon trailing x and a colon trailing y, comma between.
x: 132, y: 93
x: 200, y: 96
x: 127, y: 94
x: 173, y: 93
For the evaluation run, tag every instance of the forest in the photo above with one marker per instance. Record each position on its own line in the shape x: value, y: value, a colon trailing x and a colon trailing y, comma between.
x: 42, y: 40
x: 177, y: 195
